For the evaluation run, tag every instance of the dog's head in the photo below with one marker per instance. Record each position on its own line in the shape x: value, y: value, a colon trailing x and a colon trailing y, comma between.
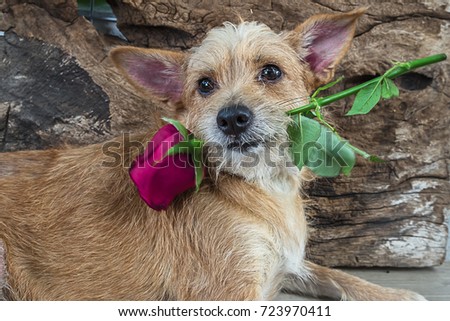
x: 237, y: 85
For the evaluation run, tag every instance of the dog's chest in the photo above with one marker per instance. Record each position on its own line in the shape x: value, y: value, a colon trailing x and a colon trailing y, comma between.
x: 293, y: 236
x: 285, y: 240
x: 292, y: 232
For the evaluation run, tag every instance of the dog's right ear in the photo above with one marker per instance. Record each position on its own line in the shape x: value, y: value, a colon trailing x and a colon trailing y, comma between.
x: 322, y: 41
x: 158, y: 73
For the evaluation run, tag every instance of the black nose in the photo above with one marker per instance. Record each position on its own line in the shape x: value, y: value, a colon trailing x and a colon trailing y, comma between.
x: 234, y: 120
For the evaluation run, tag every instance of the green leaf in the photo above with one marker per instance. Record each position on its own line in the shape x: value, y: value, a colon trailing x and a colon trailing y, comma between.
x: 318, y: 148
x: 334, y: 157
x: 183, y: 131
x: 197, y: 159
x: 388, y: 89
x: 302, y: 131
x: 198, y: 173
x: 366, y: 99
x: 197, y: 143
x: 183, y: 147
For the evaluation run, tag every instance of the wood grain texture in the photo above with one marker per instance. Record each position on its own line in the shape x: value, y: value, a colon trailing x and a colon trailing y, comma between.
x: 49, y: 98
x: 389, y: 214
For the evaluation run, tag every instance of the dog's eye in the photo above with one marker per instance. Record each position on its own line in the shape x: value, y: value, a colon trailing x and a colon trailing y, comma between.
x: 270, y: 73
x: 205, y: 86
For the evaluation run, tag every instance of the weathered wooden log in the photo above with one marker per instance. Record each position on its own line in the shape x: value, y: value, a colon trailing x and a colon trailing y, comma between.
x: 388, y: 214
x: 48, y: 97
x: 57, y: 25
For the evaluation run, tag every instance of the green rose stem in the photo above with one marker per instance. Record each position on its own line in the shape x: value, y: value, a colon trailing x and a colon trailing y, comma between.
x: 398, y: 70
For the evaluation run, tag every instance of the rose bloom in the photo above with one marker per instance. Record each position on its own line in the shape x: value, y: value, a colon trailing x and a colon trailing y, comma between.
x: 160, y: 179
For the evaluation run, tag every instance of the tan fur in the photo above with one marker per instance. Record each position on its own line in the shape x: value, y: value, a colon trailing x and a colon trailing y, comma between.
x: 76, y: 229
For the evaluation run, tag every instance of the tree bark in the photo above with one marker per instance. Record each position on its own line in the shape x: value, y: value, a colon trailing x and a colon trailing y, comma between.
x: 58, y: 86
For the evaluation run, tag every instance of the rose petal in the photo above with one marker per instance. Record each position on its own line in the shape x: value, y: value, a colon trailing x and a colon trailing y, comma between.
x: 157, y: 148
x: 160, y: 179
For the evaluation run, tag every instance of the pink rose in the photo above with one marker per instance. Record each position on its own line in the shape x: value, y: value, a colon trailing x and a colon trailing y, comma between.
x: 160, y: 179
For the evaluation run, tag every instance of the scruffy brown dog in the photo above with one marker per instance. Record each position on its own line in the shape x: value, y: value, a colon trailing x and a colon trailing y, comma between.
x: 76, y: 229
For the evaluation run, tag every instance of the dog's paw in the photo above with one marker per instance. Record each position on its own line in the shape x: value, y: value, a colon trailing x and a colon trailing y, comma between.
x: 405, y: 295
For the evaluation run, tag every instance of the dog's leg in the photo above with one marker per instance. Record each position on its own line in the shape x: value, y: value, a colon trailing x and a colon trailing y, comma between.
x: 334, y: 284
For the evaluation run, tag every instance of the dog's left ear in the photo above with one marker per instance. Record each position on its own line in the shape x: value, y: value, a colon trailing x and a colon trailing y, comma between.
x: 156, y: 73
x: 322, y: 41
